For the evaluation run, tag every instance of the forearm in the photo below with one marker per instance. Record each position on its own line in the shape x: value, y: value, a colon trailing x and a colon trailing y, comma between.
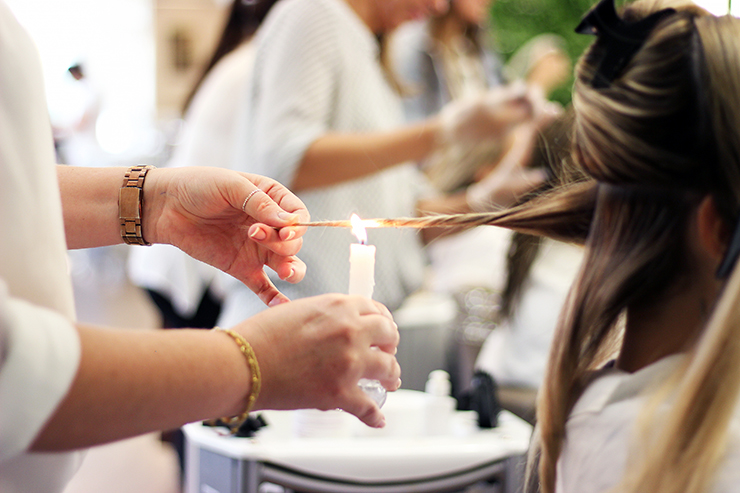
x: 134, y: 382
x: 335, y: 158
x: 90, y: 205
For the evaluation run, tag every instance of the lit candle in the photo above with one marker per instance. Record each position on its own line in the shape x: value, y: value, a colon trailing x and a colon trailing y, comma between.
x: 361, y: 262
x: 362, y: 282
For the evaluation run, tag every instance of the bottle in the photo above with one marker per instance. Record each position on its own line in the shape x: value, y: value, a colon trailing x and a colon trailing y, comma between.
x: 440, y: 405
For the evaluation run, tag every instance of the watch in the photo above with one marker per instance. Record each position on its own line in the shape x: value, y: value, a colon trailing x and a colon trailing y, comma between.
x: 130, y: 199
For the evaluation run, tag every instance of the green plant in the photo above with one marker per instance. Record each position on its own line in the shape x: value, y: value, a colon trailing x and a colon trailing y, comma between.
x: 514, y: 22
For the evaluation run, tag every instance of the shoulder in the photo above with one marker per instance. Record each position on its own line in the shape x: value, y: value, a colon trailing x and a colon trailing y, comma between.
x: 305, y: 31
x: 304, y: 16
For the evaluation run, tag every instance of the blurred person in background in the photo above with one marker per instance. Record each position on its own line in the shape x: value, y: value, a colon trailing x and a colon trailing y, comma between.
x: 450, y: 57
x: 537, y: 277
x: 323, y: 115
x: 75, y: 123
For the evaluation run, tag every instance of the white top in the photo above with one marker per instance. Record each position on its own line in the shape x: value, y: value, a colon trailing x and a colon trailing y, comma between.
x: 600, y: 431
x: 317, y: 71
x: 516, y: 352
x: 40, y: 346
x: 207, y: 139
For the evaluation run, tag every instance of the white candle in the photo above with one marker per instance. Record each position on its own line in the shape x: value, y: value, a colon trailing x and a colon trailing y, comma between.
x: 361, y: 262
x: 362, y: 282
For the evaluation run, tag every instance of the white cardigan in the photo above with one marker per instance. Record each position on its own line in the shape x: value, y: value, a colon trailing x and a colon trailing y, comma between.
x: 39, y: 346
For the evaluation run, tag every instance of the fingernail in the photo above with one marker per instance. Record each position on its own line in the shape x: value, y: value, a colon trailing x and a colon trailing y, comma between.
x: 276, y: 301
x: 258, y: 234
x: 291, y: 235
x: 290, y: 276
x: 288, y: 216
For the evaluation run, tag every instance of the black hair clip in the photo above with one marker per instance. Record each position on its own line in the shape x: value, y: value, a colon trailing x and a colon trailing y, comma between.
x: 622, y: 39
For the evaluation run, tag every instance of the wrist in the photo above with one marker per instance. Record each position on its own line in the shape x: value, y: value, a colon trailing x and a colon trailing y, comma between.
x: 154, y: 196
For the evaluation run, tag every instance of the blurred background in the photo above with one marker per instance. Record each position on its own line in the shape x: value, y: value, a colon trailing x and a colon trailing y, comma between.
x: 141, y: 57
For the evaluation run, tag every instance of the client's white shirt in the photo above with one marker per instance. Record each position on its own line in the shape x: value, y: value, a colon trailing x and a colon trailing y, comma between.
x: 601, y: 435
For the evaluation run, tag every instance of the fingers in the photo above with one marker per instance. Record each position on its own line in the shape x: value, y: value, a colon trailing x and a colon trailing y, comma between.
x: 290, y: 269
x: 261, y: 207
x: 383, y: 367
x: 363, y: 406
x: 285, y: 242
x: 261, y: 285
x: 277, y: 206
x: 365, y: 409
x: 382, y: 333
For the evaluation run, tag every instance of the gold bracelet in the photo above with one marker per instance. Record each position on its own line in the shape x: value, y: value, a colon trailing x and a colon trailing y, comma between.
x: 234, y: 422
x: 130, y: 199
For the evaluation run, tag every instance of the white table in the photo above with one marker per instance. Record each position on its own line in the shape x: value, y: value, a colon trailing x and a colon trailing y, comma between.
x: 399, y: 459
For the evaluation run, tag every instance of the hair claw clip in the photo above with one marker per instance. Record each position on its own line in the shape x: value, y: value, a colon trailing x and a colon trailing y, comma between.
x: 621, y: 39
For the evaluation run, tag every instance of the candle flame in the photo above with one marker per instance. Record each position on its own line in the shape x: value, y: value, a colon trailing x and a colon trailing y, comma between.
x: 358, y: 228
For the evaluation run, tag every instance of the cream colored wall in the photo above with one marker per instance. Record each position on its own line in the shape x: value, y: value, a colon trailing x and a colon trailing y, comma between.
x: 185, y: 35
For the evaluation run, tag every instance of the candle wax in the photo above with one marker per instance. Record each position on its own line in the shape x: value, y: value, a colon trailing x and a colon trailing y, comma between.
x: 362, y: 282
x: 361, y: 269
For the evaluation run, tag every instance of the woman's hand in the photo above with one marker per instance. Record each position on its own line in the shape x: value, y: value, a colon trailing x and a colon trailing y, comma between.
x: 511, y: 178
x: 237, y: 222
x: 487, y: 116
x: 313, y: 351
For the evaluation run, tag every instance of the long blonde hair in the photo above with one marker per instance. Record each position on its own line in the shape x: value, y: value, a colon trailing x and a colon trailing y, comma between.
x: 664, y: 134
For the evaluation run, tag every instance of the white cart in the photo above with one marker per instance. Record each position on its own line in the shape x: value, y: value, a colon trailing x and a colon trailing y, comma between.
x: 398, y: 459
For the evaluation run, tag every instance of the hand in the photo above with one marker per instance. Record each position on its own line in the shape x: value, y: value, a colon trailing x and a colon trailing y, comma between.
x: 510, y: 179
x: 200, y: 211
x: 490, y: 115
x: 313, y: 351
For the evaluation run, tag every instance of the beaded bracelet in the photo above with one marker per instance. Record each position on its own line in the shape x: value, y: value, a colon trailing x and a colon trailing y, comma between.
x: 234, y: 422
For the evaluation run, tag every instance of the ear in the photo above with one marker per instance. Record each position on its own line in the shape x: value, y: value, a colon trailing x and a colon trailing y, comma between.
x: 714, y: 232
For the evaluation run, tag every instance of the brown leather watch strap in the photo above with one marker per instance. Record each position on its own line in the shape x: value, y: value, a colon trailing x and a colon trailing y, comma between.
x: 130, y: 200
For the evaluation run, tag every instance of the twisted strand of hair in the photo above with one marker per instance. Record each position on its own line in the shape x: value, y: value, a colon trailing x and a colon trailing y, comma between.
x: 432, y: 221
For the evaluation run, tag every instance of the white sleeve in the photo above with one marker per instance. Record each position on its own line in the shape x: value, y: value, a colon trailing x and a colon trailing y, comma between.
x: 39, y: 357
x: 291, y: 100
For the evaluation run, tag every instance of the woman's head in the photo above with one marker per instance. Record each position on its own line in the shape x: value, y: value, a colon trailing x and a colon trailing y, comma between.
x: 656, y: 132
x: 659, y: 136
x: 666, y: 118
x: 474, y: 12
x: 384, y: 16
